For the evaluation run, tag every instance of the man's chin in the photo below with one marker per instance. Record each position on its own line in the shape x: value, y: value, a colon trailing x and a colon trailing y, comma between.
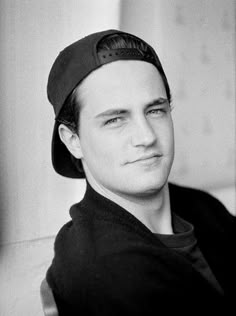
x: 154, y: 189
x: 147, y: 189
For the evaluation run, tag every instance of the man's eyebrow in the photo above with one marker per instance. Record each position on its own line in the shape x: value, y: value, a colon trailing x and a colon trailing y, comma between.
x: 118, y: 111
x: 158, y: 101
x: 111, y: 112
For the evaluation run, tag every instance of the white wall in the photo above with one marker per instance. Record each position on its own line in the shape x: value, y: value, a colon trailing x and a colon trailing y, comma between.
x: 34, y: 199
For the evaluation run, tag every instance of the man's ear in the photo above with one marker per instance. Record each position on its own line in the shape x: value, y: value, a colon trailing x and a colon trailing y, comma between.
x: 71, y: 141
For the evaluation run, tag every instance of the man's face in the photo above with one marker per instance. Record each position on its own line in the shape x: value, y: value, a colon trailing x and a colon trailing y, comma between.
x: 126, y: 130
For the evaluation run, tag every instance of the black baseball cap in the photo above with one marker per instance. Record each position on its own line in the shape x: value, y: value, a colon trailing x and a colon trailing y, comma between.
x: 71, y: 66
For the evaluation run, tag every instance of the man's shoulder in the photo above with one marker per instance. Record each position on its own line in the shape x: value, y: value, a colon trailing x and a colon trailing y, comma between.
x: 181, y: 194
x: 73, y: 253
x: 198, y: 203
x: 74, y: 236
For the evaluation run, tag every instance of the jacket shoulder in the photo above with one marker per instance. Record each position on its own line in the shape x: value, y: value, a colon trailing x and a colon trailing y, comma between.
x: 194, y: 201
x: 73, y: 253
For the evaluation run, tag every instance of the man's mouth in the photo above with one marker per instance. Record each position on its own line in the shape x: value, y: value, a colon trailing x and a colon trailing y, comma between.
x: 150, y: 158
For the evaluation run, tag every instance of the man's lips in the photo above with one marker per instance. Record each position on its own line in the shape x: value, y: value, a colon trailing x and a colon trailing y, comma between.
x: 146, y: 158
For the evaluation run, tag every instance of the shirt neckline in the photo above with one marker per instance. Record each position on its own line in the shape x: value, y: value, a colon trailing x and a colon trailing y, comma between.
x: 183, y: 234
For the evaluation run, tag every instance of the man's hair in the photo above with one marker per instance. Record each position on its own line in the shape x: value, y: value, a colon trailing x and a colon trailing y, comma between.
x: 69, y: 114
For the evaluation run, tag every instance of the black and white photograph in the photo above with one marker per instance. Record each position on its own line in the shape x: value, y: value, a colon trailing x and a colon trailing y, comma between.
x: 118, y: 157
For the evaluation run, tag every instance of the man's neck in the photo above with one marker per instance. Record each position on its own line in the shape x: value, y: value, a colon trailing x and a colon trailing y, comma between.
x: 153, y: 211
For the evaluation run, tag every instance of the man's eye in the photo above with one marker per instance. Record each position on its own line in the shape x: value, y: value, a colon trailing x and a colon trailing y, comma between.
x: 156, y: 112
x: 113, y: 121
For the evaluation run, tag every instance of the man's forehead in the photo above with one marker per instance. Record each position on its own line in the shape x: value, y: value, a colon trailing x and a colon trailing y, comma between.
x: 118, y: 76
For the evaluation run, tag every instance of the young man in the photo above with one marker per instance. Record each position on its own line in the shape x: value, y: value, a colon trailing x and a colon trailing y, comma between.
x: 135, y: 241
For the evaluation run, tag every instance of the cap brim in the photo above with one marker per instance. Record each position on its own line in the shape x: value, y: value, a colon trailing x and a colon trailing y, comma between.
x: 62, y: 158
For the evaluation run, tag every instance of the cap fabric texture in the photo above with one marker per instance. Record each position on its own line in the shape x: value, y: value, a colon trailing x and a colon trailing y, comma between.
x: 71, y: 66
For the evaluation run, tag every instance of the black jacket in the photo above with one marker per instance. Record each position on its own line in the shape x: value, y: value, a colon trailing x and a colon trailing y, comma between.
x: 108, y: 263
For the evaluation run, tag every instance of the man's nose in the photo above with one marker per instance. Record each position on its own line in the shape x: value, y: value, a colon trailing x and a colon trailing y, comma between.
x: 143, y: 133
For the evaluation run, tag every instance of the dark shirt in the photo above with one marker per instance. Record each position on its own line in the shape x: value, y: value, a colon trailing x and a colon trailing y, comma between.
x: 108, y: 263
x: 184, y: 242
